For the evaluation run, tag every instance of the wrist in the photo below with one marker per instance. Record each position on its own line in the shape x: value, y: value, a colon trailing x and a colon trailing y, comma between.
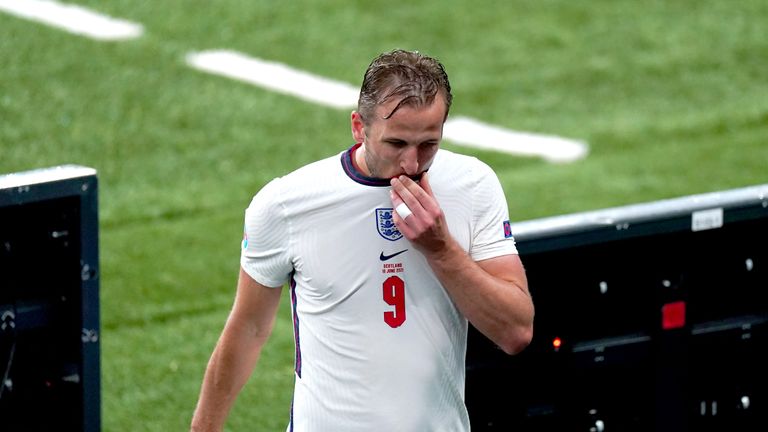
x: 447, y: 255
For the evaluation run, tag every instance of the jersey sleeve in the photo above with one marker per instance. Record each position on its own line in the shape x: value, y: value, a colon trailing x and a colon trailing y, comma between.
x: 492, y: 235
x: 265, y: 249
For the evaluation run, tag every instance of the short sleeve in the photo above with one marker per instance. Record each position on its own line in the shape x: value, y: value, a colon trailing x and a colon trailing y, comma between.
x: 265, y: 249
x: 492, y: 235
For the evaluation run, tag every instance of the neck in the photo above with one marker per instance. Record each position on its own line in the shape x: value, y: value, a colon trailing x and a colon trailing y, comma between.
x: 359, y: 160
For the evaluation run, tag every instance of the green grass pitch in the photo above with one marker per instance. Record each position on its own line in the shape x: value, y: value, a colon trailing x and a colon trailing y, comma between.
x: 672, y: 98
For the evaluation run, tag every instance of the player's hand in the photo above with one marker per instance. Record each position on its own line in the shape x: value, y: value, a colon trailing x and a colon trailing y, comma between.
x: 425, y: 227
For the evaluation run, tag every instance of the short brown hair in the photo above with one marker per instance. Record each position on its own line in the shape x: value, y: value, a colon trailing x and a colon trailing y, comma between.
x: 409, y: 75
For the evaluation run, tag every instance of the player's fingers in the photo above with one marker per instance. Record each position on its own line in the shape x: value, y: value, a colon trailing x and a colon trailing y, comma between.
x: 401, y: 208
x: 425, y: 199
x: 399, y: 215
x: 424, y: 183
x: 406, y: 196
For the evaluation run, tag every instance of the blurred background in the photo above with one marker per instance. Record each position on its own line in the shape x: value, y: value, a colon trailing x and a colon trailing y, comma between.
x: 671, y: 98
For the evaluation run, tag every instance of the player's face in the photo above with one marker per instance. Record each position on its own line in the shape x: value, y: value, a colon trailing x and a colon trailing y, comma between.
x: 405, y: 143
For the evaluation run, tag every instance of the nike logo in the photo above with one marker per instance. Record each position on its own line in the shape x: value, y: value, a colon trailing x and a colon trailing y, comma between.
x: 388, y: 257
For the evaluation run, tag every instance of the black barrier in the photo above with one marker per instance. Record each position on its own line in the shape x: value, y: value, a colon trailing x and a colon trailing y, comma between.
x: 49, y: 301
x: 648, y: 317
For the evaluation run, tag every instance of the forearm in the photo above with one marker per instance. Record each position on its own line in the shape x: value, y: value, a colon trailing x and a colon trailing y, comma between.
x: 494, y: 299
x: 228, y: 370
x: 492, y: 294
x: 247, y: 329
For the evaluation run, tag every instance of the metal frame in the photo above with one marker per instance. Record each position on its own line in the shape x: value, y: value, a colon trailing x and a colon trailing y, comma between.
x: 27, y: 187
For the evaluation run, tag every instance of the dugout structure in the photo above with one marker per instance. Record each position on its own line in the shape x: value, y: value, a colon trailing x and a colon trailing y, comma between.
x: 49, y: 301
x: 649, y: 317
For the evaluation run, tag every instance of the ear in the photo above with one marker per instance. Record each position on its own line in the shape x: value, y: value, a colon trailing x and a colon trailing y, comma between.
x: 358, y: 128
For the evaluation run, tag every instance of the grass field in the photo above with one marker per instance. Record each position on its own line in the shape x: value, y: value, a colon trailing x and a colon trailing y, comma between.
x: 672, y: 98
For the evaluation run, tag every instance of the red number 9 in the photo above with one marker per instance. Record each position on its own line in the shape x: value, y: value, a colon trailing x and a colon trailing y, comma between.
x: 394, y: 295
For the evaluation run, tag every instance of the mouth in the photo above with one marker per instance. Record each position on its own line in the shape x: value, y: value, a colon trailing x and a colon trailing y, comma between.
x: 415, y: 177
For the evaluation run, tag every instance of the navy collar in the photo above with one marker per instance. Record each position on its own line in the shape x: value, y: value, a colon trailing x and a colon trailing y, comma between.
x: 351, y: 170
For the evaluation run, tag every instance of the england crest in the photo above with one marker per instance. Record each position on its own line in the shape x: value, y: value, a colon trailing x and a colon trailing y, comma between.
x: 385, y: 224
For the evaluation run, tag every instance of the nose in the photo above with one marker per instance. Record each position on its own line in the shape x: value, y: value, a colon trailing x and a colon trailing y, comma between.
x: 409, y: 160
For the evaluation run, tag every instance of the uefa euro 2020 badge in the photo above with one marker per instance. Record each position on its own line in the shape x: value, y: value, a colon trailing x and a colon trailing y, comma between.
x: 385, y: 224
x: 507, y: 229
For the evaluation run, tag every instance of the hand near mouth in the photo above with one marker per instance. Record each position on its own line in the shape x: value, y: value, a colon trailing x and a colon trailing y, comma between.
x: 425, y: 225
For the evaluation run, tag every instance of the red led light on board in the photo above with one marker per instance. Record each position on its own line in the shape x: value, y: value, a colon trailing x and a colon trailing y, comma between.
x: 673, y: 315
x: 557, y: 343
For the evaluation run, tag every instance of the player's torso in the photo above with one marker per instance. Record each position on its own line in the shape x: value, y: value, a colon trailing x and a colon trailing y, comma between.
x: 345, y: 246
x: 372, y: 317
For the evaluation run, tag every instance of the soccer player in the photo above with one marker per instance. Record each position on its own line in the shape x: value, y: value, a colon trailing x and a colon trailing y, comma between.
x: 389, y: 249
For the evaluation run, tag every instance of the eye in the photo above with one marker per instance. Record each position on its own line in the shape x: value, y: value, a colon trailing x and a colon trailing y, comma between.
x: 397, y: 143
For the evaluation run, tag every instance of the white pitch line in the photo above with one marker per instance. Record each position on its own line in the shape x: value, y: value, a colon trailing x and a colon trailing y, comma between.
x: 277, y: 77
x: 472, y: 133
x: 462, y: 131
x: 74, y: 19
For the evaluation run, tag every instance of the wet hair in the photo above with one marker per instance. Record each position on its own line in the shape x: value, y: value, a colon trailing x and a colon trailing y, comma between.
x: 412, y: 77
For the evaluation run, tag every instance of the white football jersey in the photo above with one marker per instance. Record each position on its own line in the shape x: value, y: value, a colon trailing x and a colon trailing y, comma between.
x: 379, y: 343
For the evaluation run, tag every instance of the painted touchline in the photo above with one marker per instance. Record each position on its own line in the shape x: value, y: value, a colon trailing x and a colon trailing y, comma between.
x: 556, y: 149
x: 72, y: 18
x: 282, y: 78
x: 336, y: 94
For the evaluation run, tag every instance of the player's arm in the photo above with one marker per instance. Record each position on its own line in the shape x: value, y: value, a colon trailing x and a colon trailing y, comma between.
x: 247, y: 329
x: 492, y: 294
